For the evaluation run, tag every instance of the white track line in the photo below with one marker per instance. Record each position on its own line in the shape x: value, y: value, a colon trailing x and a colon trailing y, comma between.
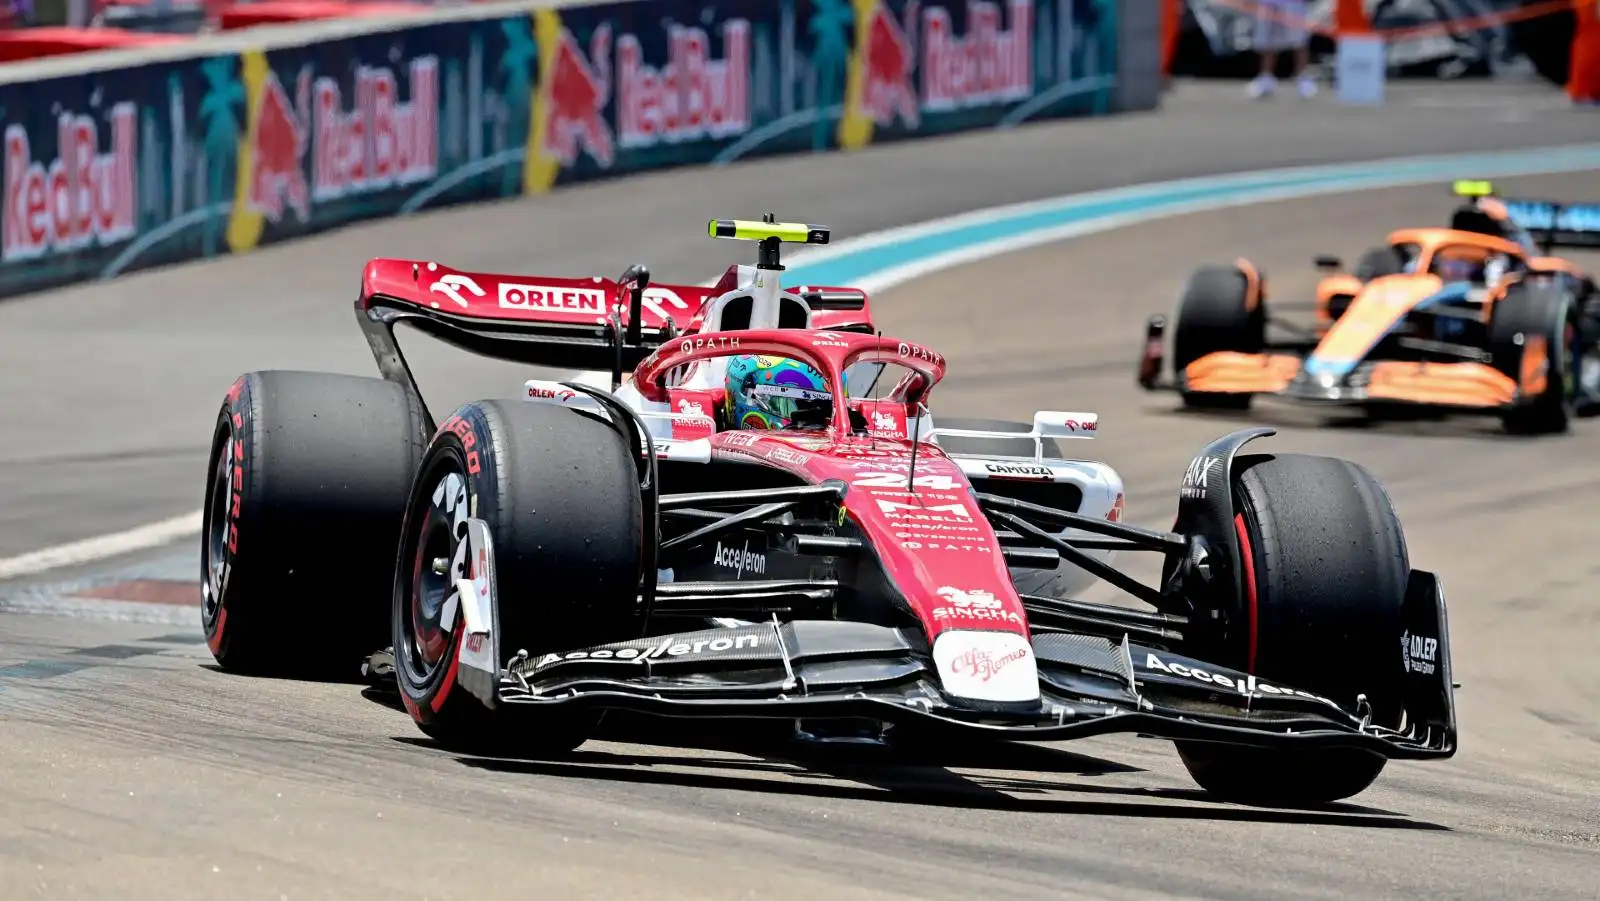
x: 105, y: 611
x: 158, y: 533
x: 89, y: 550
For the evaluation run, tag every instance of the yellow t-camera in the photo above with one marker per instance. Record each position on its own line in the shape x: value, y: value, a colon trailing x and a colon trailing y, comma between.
x: 748, y: 230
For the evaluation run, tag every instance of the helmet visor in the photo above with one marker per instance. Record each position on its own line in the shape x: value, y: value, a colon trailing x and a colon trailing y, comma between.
x: 785, y: 401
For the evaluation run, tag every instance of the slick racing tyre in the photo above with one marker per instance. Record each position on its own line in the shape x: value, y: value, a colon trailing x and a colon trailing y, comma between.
x: 304, y: 496
x: 1048, y: 583
x: 1533, y: 330
x: 1214, y: 314
x: 1325, y: 571
x: 559, y: 493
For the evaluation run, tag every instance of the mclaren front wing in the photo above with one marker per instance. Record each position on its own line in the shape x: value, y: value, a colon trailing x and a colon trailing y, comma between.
x: 1467, y: 385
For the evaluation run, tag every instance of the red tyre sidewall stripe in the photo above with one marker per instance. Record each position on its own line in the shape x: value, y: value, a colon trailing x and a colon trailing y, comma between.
x: 449, y: 680
x: 215, y: 641
x: 237, y: 421
x: 1247, y: 561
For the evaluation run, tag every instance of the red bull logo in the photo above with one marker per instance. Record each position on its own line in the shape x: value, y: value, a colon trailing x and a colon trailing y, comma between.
x: 888, y: 59
x: 80, y: 198
x: 576, y: 99
x: 381, y: 142
x: 693, y: 96
x: 989, y: 65
x: 277, y: 175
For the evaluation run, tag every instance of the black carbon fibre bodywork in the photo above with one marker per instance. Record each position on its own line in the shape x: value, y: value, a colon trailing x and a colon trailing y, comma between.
x: 1089, y: 686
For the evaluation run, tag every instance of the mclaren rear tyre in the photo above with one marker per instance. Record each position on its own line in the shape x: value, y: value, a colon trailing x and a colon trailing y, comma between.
x: 1215, y: 314
x: 1325, y: 571
x: 559, y: 493
x: 305, y: 493
x: 1049, y: 583
x: 1532, y: 332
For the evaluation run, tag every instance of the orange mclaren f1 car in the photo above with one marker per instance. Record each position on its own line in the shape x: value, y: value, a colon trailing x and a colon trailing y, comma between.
x: 1477, y: 317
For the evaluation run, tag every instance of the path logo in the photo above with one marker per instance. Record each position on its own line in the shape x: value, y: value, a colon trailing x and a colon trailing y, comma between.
x: 576, y: 97
x: 888, y: 59
x: 279, y: 148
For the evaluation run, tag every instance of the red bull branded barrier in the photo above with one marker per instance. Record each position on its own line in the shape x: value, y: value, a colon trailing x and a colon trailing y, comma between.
x: 247, y: 140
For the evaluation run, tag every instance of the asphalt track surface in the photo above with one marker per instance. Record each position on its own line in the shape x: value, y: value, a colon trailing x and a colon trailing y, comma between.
x: 131, y: 769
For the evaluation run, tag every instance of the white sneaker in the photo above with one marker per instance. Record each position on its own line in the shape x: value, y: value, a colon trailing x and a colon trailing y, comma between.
x: 1263, y: 86
x: 1308, y: 87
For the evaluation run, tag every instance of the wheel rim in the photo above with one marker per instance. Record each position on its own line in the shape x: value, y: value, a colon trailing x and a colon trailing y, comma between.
x: 431, y: 612
x: 216, y: 565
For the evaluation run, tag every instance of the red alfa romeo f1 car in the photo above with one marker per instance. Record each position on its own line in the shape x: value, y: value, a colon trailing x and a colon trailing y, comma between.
x: 766, y: 520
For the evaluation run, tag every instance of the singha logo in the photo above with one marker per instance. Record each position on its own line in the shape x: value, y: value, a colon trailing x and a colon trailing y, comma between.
x: 973, y: 600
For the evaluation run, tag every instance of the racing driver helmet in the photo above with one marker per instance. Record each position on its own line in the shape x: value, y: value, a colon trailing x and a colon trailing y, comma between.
x: 767, y: 392
x: 1462, y: 263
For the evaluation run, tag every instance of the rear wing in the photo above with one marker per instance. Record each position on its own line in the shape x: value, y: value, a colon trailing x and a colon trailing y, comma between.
x: 585, y: 324
x: 1558, y: 224
x: 571, y: 323
x: 592, y: 324
x: 1547, y: 223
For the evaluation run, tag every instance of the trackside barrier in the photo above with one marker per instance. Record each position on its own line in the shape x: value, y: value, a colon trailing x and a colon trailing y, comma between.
x: 124, y: 160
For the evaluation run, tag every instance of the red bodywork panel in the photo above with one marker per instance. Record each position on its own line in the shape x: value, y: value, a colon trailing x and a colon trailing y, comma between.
x: 934, y: 543
x: 585, y: 301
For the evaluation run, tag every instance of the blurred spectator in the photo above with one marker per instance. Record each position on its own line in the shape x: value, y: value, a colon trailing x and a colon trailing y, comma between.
x: 1281, y: 28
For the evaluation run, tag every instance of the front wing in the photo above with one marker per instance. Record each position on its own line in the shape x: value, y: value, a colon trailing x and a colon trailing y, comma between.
x: 1464, y: 385
x: 836, y: 669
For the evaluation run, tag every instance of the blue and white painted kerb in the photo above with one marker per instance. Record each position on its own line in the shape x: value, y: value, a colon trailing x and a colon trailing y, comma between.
x: 883, y: 259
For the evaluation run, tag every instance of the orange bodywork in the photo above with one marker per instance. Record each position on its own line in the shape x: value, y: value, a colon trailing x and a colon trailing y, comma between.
x: 1431, y: 239
x: 1334, y: 286
x: 1367, y: 311
x: 1377, y: 306
x: 1535, y: 364
x: 1556, y: 264
x: 1444, y: 384
x: 1228, y: 372
x: 1381, y: 303
x: 1254, y: 286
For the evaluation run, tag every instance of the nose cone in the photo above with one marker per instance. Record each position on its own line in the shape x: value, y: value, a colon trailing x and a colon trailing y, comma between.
x: 1382, y: 304
x: 987, y: 666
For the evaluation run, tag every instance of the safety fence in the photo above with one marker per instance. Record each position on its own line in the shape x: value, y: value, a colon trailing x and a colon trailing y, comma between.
x: 1440, y: 38
x: 221, y: 146
x: 1346, y: 16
